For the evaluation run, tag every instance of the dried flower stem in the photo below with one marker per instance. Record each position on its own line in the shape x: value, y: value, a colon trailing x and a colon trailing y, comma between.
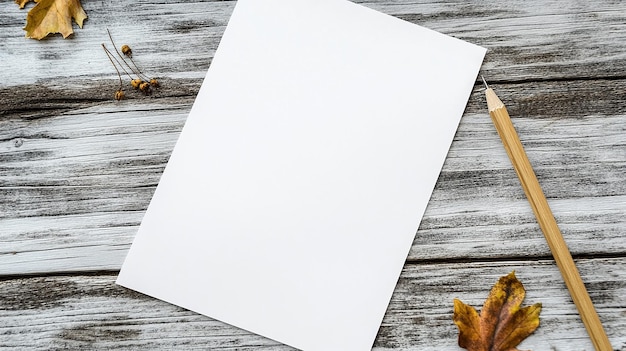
x: 114, y: 65
x: 138, y: 71
x: 135, y: 70
x: 112, y: 57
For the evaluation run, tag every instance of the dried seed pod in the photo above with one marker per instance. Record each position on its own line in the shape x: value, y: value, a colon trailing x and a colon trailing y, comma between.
x: 119, y: 94
x: 154, y: 82
x: 136, y: 83
x: 127, y: 51
x: 145, y: 88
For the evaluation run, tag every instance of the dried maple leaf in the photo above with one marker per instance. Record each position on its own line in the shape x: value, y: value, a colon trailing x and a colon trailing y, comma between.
x: 502, y: 324
x: 22, y: 3
x: 52, y: 16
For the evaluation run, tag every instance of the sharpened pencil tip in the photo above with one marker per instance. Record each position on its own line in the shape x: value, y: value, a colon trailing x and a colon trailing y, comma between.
x: 484, y: 81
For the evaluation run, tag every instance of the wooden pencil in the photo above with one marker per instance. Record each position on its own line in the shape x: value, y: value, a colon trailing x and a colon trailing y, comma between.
x: 540, y: 207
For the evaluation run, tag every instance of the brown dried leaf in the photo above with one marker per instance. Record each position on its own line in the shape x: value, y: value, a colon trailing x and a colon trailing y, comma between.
x: 22, y: 3
x: 53, y: 16
x: 502, y: 324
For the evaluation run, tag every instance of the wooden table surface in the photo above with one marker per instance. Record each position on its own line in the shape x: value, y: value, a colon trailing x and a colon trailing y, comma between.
x: 77, y: 170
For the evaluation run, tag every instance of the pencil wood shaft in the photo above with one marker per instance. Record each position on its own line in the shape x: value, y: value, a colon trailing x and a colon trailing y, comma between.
x: 539, y: 204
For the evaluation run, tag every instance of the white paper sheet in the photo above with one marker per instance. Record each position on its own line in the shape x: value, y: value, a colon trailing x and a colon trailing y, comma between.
x: 293, y: 195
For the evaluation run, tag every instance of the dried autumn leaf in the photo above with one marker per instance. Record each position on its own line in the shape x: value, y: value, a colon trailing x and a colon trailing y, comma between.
x: 52, y: 16
x: 502, y: 324
x: 22, y: 3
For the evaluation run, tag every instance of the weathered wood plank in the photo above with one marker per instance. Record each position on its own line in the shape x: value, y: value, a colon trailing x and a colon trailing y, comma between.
x: 535, y: 39
x: 90, y: 312
x: 527, y: 40
x: 169, y: 38
x: 74, y: 186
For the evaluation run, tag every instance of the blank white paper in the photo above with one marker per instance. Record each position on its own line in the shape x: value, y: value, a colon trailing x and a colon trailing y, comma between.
x: 295, y: 190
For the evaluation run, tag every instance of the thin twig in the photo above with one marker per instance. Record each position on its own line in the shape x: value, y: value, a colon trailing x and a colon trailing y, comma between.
x: 114, y: 66
x: 138, y: 70
x: 122, y: 57
x: 112, y: 57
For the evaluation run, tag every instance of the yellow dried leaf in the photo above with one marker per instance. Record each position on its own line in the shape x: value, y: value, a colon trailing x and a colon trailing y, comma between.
x: 468, y: 321
x: 53, y: 16
x: 502, y: 324
x: 22, y: 3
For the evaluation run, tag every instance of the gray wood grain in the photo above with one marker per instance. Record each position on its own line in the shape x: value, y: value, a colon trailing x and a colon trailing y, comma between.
x: 527, y: 40
x: 90, y: 312
x: 75, y: 185
x: 78, y: 169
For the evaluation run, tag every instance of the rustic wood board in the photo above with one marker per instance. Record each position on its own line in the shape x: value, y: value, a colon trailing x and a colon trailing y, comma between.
x: 75, y: 185
x: 530, y: 40
x: 90, y: 312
